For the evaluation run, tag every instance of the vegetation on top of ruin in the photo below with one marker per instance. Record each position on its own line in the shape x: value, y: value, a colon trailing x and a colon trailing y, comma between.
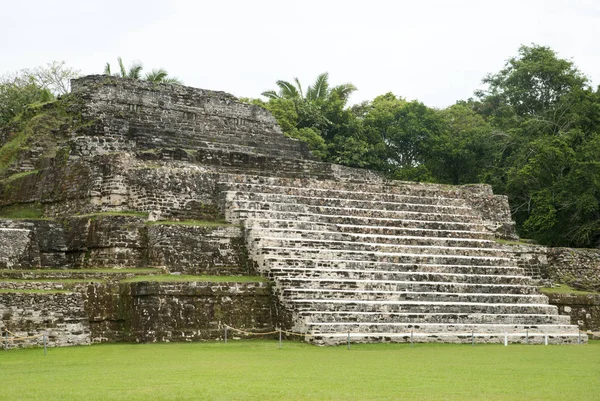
x: 134, y: 71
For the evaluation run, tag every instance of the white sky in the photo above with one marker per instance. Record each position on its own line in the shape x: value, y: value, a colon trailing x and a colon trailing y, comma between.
x: 432, y: 50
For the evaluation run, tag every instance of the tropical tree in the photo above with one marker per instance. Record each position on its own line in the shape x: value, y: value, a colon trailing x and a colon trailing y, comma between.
x: 315, y: 115
x: 135, y: 72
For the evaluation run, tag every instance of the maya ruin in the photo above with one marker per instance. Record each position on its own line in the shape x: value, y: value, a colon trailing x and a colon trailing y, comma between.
x: 163, y: 213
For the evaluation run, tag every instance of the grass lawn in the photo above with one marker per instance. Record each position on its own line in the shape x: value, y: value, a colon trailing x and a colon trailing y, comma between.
x: 258, y: 370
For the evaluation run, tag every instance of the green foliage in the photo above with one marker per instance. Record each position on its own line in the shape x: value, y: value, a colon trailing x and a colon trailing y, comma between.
x: 547, y: 147
x: 15, y: 96
x: 314, y: 116
x: 259, y: 370
x: 134, y: 71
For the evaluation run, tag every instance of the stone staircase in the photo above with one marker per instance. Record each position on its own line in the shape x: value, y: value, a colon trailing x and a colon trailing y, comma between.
x: 387, y: 262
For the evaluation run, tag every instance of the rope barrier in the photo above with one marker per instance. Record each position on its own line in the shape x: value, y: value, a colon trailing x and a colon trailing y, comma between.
x: 266, y: 333
x: 407, y: 334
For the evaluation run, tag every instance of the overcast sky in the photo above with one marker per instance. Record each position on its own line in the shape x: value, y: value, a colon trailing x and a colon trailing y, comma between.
x: 432, y: 50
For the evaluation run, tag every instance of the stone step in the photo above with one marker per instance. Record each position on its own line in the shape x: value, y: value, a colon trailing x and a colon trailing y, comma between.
x: 377, y: 256
x: 345, y: 189
x: 456, y: 328
x: 401, y: 248
x: 419, y: 318
x: 350, y: 305
x: 273, y: 261
x: 339, y: 283
x: 342, y: 275
x: 364, y: 230
x: 332, y: 236
x: 232, y: 207
x: 480, y: 338
x: 414, y: 206
x: 325, y: 294
x: 241, y: 215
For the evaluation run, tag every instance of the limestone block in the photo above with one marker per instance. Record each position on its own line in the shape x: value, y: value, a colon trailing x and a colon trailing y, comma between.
x: 17, y: 249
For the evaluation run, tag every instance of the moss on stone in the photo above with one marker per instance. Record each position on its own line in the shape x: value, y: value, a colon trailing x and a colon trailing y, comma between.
x: 190, y: 278
x: 7, y: 291
x: 129, y: 213
x: 22, y: 211
x: 565, y: 289
x: 198, y: 223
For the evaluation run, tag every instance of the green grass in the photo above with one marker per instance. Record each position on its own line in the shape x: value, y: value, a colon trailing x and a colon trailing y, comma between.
x: 122, y: 213
x: 258, y: 370
x: 183, y: 278
x: 565, y: 289
x: 51, y: 280
x: 22, y: 211
x: 83, y: 271
x: 197, y: 223
x: 522, y: 241
x: 16, y: 176
x: 10, y: 150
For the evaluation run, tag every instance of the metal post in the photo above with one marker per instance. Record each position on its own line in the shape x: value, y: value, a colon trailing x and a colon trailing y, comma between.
x: 45, y: 350
x: 527, y: 336
x: 225, y: 334
x: 505, y: 339
x: 472, y: 338
x: 578, y: 337
x: 545, y: 339
x: 348, y: 340
x: 411, y: 338
x: 279, y: 339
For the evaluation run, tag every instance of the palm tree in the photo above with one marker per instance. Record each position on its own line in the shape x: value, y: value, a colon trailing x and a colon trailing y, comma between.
x: 135, y: 72
x: 319, y: 90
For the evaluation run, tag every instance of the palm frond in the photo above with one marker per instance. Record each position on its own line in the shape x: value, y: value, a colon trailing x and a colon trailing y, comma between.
x: 299, y: 86
x: 107, y: 69
x: 287, y: 90
x: 172, y: 80
x: 135, y: 70
x: 271, y: 95
x: 122, y: 67
x: 157, y: 75
x: 343, y: 91
x: 319, y: 89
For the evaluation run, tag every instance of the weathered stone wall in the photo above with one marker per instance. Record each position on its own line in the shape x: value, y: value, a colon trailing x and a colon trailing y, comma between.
x: 583, y: 309
x: 137, y: 114
x: 105, y: 241
x: 165, y: 311
x: 101, y: 240
x: 580, y: 268
x: 60, y: 315
x: 206, y: 250
x: 17, y: 248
